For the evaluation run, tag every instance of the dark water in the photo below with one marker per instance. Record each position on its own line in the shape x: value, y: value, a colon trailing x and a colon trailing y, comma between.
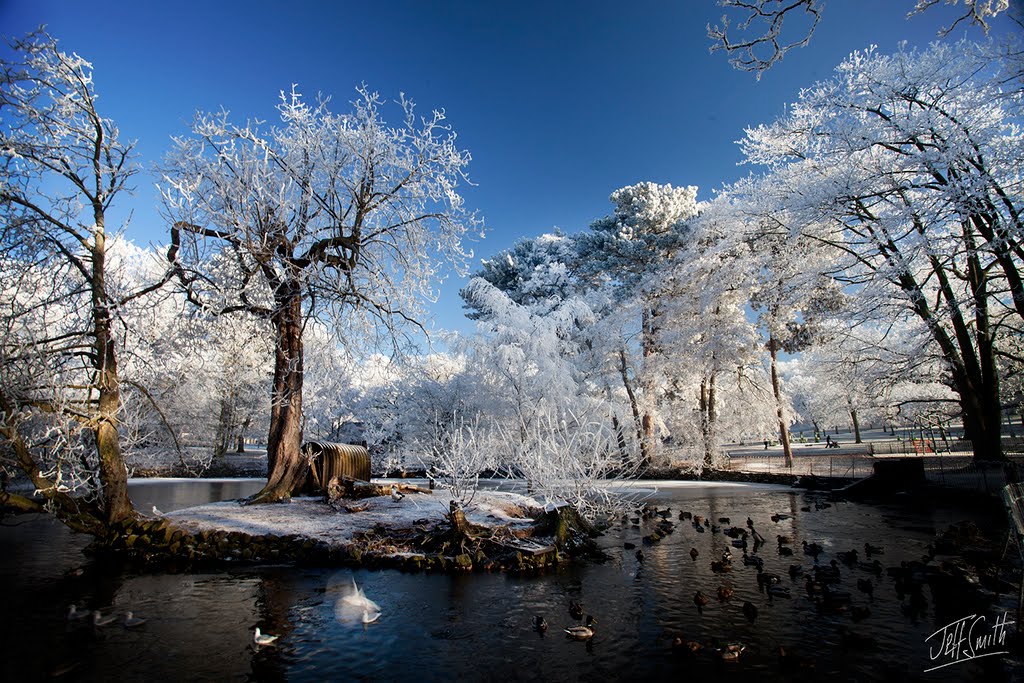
x: 478, y: 627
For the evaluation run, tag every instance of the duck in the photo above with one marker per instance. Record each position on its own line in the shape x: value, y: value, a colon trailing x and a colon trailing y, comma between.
x: 685, y: 515
x: 131, y: 621
x: 730, y: 652
x: 700, y: 600
x: 750, y: 611
x: 396, y: 495
x: 870, y: 550
x: 740, y: 543
x: 694, y: 553
x: 866, y: 586
x: 74, y: 614
x: 540, y: 624
x: 629, y: 546
x: 779, y: 517
x: 726, y: 555
x: 699, y: 528
x: 765, y: 579
x: 875, y: 567
x: 680, y: 644
x: 640, y: 556
x: 725, y: 593
x: 585, y: 632
x: 849, y: 558
x: 724, y: 520
x: 812, y: 549
x: 720, y: 567
x: 785, y: 551
x: 813, y: 587
x: 99, y: 620
x: 778, y: 591
x: 795, y: 570
x: 263, y: 638
x: 575, y: 609
x: 805, y: 508
x: 698, y: 520
x: 752, y: 561
x: 784, y: 540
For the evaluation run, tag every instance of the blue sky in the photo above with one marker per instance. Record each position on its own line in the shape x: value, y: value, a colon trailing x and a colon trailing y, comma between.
x: 560, y: 103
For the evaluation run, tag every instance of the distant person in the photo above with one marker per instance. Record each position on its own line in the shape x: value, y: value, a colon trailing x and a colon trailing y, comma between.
x: 766, y: 444
x: 828, y: 441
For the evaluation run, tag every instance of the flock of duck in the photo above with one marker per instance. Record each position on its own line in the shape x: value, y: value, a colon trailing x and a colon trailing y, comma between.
x: 821, y: 581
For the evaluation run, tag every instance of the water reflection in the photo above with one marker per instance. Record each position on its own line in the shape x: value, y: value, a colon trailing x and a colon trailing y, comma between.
x: 479, y: 627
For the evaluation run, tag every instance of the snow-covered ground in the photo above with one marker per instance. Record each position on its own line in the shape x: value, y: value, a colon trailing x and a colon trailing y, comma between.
x: 312, y: 518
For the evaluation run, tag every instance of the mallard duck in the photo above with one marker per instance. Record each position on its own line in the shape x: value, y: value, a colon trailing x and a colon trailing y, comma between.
x: 779, y: 517
x: 795, y: 570
x: 698, y: 528
x: 680, y: 644
x: 765, y: 579
x: 700, y: 600
x: 752, y: 561
x: 726, y: 555
x: 785, y: 551
x: 725, y: 593
x: 540, y: 625
x: 263, y: 638
x: 131, y: 621
x: 812, y: 549
x: 870, y: 550
x: 685, y: 515
x: 730, y: 652
x: 866, y: 586
x: 585, y: 632
x: 693, y: 554
x: 724, y: 520
x: 750, y: 611
x: 698, y: 520
x: 875, y: 567
x: 575, y: 609
x: 784, y: 540
x: 848, y: 558
x: 720, y: 567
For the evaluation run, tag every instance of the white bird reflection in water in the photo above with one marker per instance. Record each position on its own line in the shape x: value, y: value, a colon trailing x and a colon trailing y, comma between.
x: 352, y: 606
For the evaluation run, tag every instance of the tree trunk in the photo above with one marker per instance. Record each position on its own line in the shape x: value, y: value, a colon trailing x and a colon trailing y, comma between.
x: 708, y: 416
x: 645, y: 455
x: 856, y: 425
x: 787, y: 451
x: 286, y: 466
x: 113, y: 473
x: 649, y: 348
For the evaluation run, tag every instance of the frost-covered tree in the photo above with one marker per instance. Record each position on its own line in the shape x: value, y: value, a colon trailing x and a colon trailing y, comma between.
x: 337, y: 216
x: 617, y: 254
x: 63, y: 167
x: 755, y: 34
x: 909, y: 169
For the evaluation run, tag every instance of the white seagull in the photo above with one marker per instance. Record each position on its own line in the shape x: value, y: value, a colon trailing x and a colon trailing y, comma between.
x: 131, y: 621
x: 157, y: 512
x: 99, y: 620
x: 263, y: 638
x: 396, y: 495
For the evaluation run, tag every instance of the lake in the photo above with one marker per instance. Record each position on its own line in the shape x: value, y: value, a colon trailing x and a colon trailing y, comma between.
x: 479, y: 626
